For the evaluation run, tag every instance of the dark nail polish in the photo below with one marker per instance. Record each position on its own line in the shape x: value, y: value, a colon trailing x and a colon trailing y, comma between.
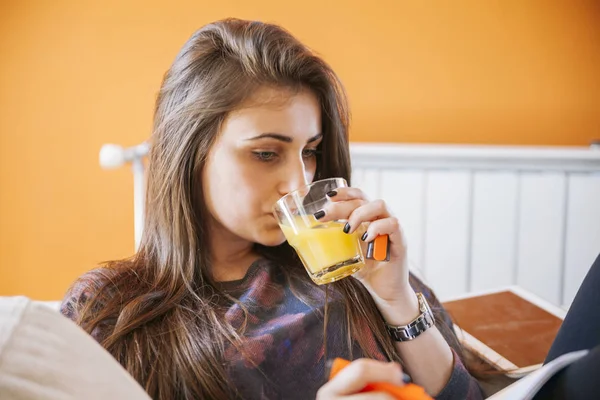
x: 347, y: 228
x: 319, y: 214
x: 364, y: 236
x: 406, y: 378
x: 333, y: 193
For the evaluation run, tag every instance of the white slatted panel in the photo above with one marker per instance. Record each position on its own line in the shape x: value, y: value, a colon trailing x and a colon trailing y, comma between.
x: 529, y: 223
x: 583, y: 231
x: 367, y: 179
x: 541, y: 234
x: 357, y: 176
x: 404, y: 192
x: 447, y: 231
x: 493, y: 240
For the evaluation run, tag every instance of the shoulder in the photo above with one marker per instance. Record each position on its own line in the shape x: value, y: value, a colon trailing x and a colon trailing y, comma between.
x: 85, y: 288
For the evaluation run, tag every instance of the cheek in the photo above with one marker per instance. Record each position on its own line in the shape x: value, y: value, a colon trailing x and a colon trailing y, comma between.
x: 233, y: 192
x: 227, y: 195
x: 311, y: 170
x: 219, y: 183
x: 239, y: 198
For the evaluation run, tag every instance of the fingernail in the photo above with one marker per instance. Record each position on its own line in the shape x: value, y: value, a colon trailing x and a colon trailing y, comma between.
x: 319, y: 214
x: 333, y: 193
x: 364, y: 236
x: 347, y: 228
x: 406, y: 378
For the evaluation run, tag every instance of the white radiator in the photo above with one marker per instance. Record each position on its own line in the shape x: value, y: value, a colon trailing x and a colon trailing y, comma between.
x: 483, y: 217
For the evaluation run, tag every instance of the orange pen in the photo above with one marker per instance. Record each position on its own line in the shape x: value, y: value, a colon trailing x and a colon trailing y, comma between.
x: 410, y: 391
x: 379, y: 249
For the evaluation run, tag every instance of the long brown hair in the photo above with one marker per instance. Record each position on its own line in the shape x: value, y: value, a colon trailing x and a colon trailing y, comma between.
x: 164, y: 303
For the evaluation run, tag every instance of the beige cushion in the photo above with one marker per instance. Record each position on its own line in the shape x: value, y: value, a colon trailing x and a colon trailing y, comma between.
x: 45, y: 356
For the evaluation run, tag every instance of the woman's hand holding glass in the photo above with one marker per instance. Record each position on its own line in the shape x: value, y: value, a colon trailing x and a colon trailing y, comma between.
x: 386, y: 281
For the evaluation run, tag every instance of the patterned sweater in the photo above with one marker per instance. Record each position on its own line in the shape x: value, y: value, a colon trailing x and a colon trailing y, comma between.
x: 283, y: 336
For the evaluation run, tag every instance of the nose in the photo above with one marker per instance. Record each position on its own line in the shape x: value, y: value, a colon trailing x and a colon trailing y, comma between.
x: 293, y: 178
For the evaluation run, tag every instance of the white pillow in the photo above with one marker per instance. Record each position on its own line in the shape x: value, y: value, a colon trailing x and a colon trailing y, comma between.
x: 45, y: 356
x: 55, y: 305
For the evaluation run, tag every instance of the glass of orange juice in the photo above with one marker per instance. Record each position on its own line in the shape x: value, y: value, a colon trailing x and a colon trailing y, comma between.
x: 328, y: 254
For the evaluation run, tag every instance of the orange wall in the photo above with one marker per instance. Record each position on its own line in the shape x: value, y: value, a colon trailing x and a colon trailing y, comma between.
x: 77, y: 74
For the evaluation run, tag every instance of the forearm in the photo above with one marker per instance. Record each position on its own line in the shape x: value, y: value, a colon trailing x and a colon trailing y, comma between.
x: 427, y: 358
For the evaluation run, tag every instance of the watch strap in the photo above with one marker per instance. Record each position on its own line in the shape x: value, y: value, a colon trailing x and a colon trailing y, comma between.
x: 416, y: 327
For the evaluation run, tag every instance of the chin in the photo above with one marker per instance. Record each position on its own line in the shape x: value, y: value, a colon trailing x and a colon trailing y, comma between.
x: 270, y: 238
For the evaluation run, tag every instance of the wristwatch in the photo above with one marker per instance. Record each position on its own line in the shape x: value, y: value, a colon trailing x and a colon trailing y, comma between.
x: 424, y: 321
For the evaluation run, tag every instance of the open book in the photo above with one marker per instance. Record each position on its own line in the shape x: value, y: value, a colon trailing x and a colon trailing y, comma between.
x: 509, y: 328
x: 529, y: 386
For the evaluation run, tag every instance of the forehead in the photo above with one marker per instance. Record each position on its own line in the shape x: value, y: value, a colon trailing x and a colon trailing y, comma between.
x: 275, y: 110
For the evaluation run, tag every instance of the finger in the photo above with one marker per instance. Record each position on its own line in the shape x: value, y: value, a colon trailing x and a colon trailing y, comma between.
x: 368, y: 212
x: 361, y: 372
x: 339, y: 210
x: 346, y: 193
x: 387, y: 226
x: 371, y: 396
x: 360, y: 396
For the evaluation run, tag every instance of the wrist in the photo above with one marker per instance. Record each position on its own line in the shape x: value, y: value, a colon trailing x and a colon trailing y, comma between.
x: 401, y: 310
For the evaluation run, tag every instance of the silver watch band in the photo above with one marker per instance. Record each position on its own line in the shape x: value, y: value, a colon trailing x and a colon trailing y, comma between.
x: 424, y: 321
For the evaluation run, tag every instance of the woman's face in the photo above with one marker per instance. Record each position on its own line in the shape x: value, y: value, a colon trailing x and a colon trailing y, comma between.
x: 264, y: 150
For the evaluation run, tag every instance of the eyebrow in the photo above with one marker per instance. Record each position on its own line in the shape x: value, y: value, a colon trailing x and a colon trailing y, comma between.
x: 284, y: 138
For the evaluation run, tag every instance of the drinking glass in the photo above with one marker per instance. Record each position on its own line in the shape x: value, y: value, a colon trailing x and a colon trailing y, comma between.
x: 328, y: 254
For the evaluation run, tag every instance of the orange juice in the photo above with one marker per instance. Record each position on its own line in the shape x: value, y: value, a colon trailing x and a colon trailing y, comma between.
x: 326, y: 251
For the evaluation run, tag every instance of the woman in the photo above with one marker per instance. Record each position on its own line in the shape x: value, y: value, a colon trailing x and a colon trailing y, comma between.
x: 216, y: 304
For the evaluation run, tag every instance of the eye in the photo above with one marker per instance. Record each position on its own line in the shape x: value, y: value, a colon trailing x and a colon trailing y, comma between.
x: 265, y: 156
x: 308, y: 153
